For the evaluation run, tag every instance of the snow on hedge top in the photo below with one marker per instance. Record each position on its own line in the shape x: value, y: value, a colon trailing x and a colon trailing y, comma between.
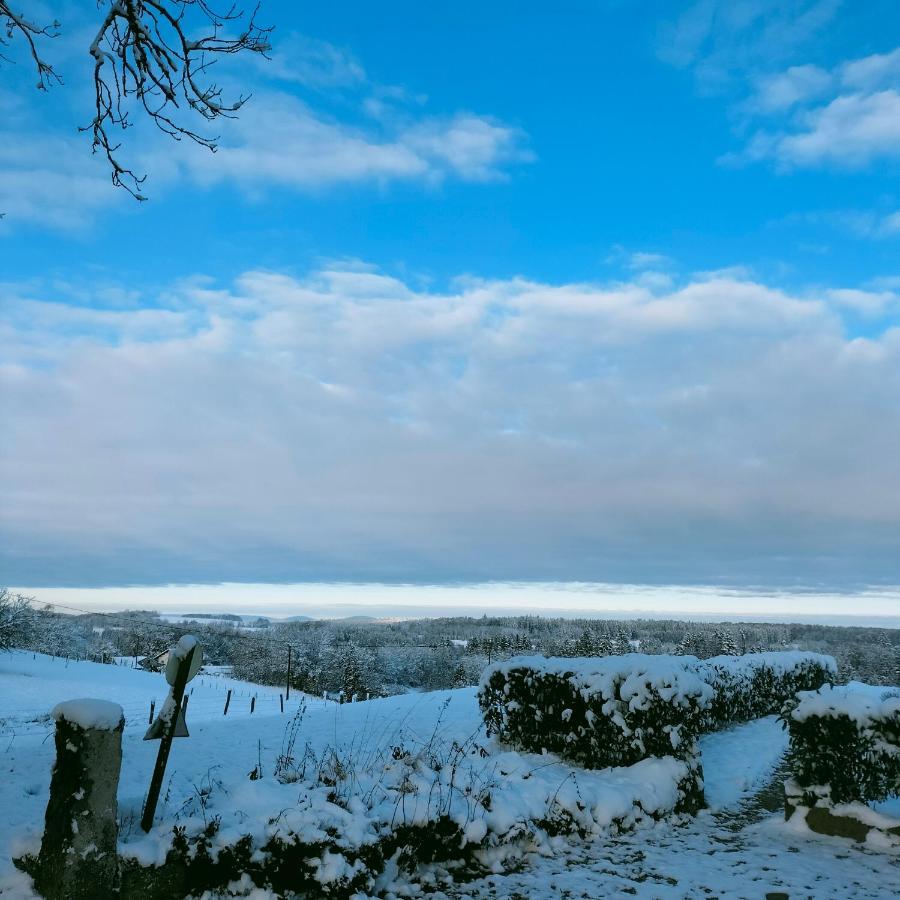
x: 86, y: 713
x: 779, y: 661
x: 862, y: 703
x: 630, y: 677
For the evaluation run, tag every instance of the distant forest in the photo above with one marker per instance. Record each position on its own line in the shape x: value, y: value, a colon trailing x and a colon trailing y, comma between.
x: 380, y: 658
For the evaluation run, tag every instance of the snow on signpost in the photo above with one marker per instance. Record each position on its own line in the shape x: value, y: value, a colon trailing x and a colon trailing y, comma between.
x: 182, y: 665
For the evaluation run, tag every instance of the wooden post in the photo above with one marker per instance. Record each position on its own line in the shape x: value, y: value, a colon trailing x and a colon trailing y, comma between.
x: 252, y: 704
x: 281, y: 698
x: 78, y: 858
x: 165, y: 744
x: 227, y: 701
x: 288, y: 689
x: 152, y: 707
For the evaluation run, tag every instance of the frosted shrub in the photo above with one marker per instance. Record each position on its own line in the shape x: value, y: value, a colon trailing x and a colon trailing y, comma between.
x: 845, y: 743
x: 758, y: 684
x: 615, y: 711
x: 609, y: 711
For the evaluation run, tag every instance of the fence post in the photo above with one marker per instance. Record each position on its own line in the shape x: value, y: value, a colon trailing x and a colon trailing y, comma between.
x: 288, y: 688
x: 78, y: 857
x: 227, y: 701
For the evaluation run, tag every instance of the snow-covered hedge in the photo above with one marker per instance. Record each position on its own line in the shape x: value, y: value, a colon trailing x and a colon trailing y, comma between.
x: 616, y: 710
x: 758, y: 684
x: 845, y: 743
x: 352, y: 831
x: 599, y: 712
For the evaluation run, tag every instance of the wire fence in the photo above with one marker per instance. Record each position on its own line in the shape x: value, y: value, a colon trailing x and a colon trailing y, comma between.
x: 207, y: 696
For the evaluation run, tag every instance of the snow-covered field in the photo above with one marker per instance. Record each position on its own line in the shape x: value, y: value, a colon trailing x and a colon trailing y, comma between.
x: 32, y: 683
x: 737, y: 849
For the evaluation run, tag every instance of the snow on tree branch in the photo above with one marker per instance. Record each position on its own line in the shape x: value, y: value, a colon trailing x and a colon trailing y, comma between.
x: 16, y: 619
x: 16, y: 25
x: 142, y: 51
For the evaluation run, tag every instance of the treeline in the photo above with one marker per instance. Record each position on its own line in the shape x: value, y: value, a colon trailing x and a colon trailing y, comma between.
x: 430, y: 654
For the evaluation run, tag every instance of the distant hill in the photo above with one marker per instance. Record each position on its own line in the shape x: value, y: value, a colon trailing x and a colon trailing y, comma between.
x: 228, y: 617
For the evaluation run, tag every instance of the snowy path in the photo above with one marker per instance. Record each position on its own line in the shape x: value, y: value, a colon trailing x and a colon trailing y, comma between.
x: 739, y: 849
x: 702, y: 859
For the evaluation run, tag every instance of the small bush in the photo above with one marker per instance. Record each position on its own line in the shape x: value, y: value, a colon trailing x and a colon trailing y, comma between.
x: 845, y: 744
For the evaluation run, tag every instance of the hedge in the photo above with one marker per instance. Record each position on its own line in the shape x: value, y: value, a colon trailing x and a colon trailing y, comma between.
x: 617, y: 710
x: 845, y: 743
x: 611, y: 711
x: 758, y: 684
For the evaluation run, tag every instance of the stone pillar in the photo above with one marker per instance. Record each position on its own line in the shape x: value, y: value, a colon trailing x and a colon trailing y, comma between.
x: 78, y: 858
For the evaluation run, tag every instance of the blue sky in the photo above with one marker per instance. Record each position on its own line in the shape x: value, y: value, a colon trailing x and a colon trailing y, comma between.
x: 604, y: 293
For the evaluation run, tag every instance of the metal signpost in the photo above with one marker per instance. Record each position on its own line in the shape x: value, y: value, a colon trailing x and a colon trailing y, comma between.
x: 183, y: 664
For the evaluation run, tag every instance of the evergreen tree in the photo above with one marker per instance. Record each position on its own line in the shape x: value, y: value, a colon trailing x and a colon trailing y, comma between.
x: 726, y: 643
x: 352, y: 678
x: 584, y: 646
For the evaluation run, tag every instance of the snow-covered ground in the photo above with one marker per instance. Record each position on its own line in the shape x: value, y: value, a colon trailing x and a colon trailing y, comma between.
x: 740, y: 848
x: 702, y: 859
x: 737, y: 849
x: 32, y: 683
x: 740, y: 761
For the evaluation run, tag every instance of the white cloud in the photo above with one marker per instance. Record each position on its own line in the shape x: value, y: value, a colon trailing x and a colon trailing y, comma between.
x: 723, y: 40
x: 349, y: 423
x: 312, y: 63
x: 860, y: 223
x: 379, y: 134
x: 783, y: 90
x: 642, y: 260
x: 852, y: 130
x: 282, y: 141
x: 891, y: 223
x: 867, y: 303
x: 638, y: 260
x: 872, y: 72
x: 50, y: 181
x: 846, y: 117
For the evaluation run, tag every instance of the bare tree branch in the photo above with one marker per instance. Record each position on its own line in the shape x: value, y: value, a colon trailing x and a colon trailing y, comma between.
x: 16, y: 24
x: 156, y: 54
x: 143, y: 51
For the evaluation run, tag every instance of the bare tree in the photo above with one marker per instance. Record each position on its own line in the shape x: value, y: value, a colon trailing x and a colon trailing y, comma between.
x: 152, y: 55
x: 16, y: 619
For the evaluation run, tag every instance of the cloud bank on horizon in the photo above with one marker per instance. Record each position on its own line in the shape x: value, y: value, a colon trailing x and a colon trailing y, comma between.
x: 351, y: 424
x: 875, y: 608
